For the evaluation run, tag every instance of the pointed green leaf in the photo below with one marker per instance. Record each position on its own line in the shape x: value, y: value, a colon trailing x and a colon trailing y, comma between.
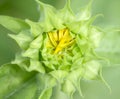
x: 13, y: 24
x: 13, y: 80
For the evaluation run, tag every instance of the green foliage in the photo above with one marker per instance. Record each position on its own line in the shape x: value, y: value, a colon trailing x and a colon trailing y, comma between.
x: 36, y: 70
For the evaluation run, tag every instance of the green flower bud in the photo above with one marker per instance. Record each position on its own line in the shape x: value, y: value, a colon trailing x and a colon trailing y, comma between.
x: 60, y: 47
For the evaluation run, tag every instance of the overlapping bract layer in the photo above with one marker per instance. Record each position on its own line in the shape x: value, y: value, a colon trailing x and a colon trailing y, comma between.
x: 68, y: 61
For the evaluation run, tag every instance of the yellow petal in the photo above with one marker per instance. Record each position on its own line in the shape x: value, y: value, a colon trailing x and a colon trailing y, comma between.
x: 53, y: 42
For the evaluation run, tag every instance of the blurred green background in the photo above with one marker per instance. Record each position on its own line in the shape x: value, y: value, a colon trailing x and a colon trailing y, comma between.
x: 27, y: 9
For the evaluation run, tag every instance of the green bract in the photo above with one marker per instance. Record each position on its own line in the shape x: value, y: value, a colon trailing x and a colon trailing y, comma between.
x: 60, y: 47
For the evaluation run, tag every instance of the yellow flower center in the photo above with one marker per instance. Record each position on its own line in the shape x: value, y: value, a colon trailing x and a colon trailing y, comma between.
x: 59, y: 40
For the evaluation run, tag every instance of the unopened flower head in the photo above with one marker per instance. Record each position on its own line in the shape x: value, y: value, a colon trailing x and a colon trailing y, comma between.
x: 60, y: 47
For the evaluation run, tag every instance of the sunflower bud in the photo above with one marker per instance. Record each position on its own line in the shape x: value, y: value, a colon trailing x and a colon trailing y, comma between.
x: 60, y: 47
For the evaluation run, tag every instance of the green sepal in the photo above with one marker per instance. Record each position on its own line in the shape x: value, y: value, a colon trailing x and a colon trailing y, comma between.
x: 66, y: 14
x: 59, y: 75
x: 32, y: 53
x: 85, y: 13
x: 21, y: 61
x: 83, y: 44
x: 35, y: 27
x: 82, y: 27
x: 77, y: 63
x: 95, y: 36
x: 45, y: 84
x: 23, y: 39
x: 37, y: 43
x: 91, y: 70
x: 75, y: 77
x: 68, y: 88
x: 51, y: 17
x: 35, y: 66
